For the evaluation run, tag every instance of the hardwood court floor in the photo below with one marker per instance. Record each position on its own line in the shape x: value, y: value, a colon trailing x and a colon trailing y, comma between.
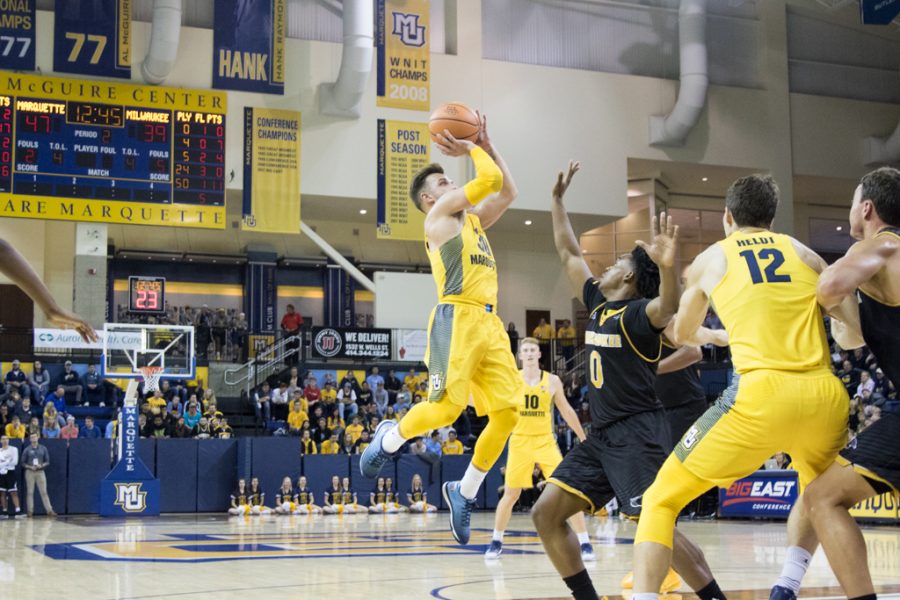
x: 395, y: 557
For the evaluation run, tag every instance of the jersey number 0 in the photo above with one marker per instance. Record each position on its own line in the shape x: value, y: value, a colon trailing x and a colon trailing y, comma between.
x: 596, y: 370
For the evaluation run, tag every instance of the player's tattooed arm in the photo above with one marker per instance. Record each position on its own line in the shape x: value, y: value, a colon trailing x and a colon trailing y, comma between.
x: 564, y: 238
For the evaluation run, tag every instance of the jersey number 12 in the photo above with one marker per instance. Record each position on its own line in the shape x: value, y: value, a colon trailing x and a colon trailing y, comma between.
x: 772, y: 275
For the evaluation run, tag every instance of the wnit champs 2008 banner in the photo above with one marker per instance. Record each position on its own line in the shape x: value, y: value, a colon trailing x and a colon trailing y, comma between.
x: 404, y: 61
x: 93, y: 37
x: 248, y: 46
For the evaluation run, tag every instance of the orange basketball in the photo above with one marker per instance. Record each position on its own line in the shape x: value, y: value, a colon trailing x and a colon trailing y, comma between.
x: 459, y: 119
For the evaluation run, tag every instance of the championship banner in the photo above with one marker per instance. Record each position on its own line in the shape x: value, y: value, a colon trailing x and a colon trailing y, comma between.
x: 248, y: 45
x: 764, y: 494
x: 404, y: 54
x: 877, y: 508
x: 339, y: 342
x: 92, y: 37
x: 271, y: 170
x: 17, y: 27
x: 87, y: 150
x: 403, y: 149
x: 410, y: 344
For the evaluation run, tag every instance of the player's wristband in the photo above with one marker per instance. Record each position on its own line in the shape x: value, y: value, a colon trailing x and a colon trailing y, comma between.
x: 488, y: 177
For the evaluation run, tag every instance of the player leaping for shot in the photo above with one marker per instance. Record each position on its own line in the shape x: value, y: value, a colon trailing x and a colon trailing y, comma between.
x: 468, y: 348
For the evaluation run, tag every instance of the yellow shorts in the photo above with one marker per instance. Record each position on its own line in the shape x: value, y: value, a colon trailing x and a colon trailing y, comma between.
x: 803, y: 414
x: 524, y: 452
x: 468, y: 353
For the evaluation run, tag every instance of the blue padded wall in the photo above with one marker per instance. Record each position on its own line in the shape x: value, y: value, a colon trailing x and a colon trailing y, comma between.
x: 491, y: 483
x: 57, y: 477
x: 409, y: 465
x: 216, y: 469
x: 89, y: 463
x: 363, y: 486
x: 453, y: 467
x: 176, y: 468
x: 275, y: 458
x: 318, y: 469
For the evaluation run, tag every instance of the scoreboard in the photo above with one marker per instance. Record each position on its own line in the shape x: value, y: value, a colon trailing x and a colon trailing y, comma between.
x: 147, y: 294
x: 97, y: 151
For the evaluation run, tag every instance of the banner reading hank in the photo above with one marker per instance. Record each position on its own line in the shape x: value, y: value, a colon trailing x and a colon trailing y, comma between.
x: 402, y: 39
x: 403, y: 149
x: 271, y: 170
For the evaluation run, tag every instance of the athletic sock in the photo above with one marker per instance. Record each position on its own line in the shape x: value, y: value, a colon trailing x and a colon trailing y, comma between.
x: 581, y: 586
x: 471, y: 481
x: 498, y: 536
x: 392, y: 440
x: 711, y: 592
x: 866, y: 597
x: 583, y: 537
x: 796, y: 562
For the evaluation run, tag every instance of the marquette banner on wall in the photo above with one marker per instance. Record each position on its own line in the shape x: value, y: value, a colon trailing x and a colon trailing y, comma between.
x: 404, y: 53
x: 248, y: 45
x: 403, y: 149
x: 271, y: 170
x: 17, y: 27
x: 92, y: 37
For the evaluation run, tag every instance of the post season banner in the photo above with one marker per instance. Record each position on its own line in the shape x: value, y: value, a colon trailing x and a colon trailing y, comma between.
x: 248, y: 45
x: 403, y: 149
x: 402, y: 37
x: 93, y: 37
x: 271, y: 171
x: 17, y: 35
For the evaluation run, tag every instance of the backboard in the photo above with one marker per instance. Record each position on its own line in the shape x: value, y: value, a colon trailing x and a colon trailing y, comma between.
x: 129, y: 347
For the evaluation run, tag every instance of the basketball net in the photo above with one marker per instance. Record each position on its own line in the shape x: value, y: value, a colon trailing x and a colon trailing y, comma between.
x: 151, y: 377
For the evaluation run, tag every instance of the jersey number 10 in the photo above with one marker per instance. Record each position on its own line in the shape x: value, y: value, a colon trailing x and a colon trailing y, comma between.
x: 531, y: 402
x: 772, y: 275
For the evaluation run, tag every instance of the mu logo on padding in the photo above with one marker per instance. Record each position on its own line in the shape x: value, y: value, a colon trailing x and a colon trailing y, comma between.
x: 130, y: 497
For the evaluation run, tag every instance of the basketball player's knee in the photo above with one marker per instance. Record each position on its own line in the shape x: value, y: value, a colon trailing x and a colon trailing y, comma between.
x: 504, y: 420
x: 544, y: 516
x: 659, y: 511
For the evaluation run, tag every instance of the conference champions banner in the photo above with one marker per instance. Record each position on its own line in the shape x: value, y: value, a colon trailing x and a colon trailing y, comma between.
x: 248, y: 45
x: 92, y: 37
x: 402, y: 37
x: 271, y: 171
x: 403, y: 149
x: 17, y: 26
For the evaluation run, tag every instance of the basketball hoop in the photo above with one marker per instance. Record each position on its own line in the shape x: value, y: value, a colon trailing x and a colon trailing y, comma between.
x: 151, y: 377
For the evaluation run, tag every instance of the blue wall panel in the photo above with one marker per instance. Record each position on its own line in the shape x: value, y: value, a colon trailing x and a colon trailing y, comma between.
x: 57, y: 477
x: 453, y: 468
x: 319, y: 468
x: 216, y: 469
x: 491, y: 483
x: 363, y: 486
x: 89, y: 463
x: 147, y: 453
x: 275, y: 458
x: 176, y: 462
x: 409, y: 465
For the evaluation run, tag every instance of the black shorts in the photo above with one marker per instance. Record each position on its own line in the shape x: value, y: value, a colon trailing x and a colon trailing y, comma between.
x: 8, y: 481
x: 681, y: 418
x: 876, y: 453
x: 620, y: 460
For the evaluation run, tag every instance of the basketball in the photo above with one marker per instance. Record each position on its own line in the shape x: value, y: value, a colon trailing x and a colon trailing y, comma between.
x: 459, y: 119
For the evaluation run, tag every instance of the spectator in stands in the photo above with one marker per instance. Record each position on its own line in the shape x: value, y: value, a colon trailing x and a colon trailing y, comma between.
x: 90, y: 431
x: 374, y: 379
x: 513, y: 338
x: 417, y: 497
x: 873, y: 414
x: 372, y: 425
x: 881, y: 383
x: 58, y: 399
x: 240, y: 333
x: 362, y: 443
x: 111, y: 427
x: 350, y: 377
x: 346, y: 401
x: 212, y: 412
x: 51, y: 414
x: 336, y: 424
x: 296, y: 418
x: 307, y: 444
x: 320, y: 431
x: 291, y: 322
x: 34, y: 426
x: 192, y: 416
x: 156, y: 400
x: 39, y: 381
x: 280, y: 399
x: 16, y: 380
x: 420, y: 394
x: 95, y: 393
x: 849, y: 376
x: 452, y: 445
x: 355, y: 429
x: 51, y: 428
x: 411, y: 382
x: 207, y: 396
x: 347, y: 446
x: 15, y: 429
x: 433, y: 443
x: 204, y: 429
x: 380, y: 398
x: 70, y: 431
x: 566, y: 336
x: 298, y: 396
x: 142, y: 424
x: 70, y: 383
x: 584, y: 413
x: 262, y: 403
x: 866, y: 384
x: 9, y: 461
x: 35, y: 460
x: 311, y: 392
x: 175, y: 405
x: 404, y: 401
x: 331, y: 445
x: 389, y: 414
x: 26, y: 411
x: 544, y: 334
x: 219, y: 324
x: 329, y: 399
x: 181, y: 430
x: 222, y: 429
x: 4, y: 417
x: 393, y: 385
x: 364, y: 397
x: 294, y: 381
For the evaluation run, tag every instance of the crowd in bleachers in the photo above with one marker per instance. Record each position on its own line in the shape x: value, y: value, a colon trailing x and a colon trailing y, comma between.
x: 871, y: 393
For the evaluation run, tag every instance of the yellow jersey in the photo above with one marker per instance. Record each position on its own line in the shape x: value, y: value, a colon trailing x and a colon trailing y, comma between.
x: 296, y: 419
x: 536, y: 413
x: 464, y: 268
x: 767, y: 302
x: 454, y: 447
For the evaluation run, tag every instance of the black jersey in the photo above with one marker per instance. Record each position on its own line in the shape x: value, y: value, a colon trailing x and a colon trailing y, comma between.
x: 240, y: 498
x: 284, y: 496
x: 335, y: 496
x: 380, y: 496
x: 417, y: 495
x: 257, y: 497
x: 390, y: 496
x: 622, y: 348
x: 304, y: 496
x: 681, y: 387
x: 881, y: 327
x: 347, y: 496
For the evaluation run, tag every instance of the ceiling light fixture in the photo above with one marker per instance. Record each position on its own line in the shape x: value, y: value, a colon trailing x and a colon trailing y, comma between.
x: 362, y: 211
x: 528, y: 221
x: 839, y: 228
x: 704, y: 179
